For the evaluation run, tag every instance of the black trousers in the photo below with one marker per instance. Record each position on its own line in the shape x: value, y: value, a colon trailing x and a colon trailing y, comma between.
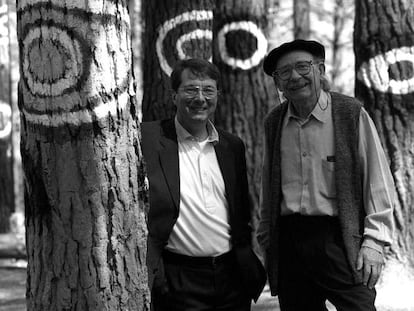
x: 198, y: 284
x: 313, y: 268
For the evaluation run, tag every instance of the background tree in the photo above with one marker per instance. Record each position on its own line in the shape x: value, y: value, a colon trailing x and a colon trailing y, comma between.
x: 301, y: 19
x: 85, y: 222
x: 135, y: 13
x: 247, y: 94
x: 6, y: 163
x: 384, y: 49
x: 174, y: 29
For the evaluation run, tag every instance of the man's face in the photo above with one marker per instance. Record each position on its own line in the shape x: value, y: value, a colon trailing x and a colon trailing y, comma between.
x: 298, y: 84
x: 195, y: 99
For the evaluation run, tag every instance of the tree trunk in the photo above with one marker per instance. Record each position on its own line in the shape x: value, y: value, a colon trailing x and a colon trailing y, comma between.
x: 6, y: 163
x: 383, y: 44
x: 135, y: 13
x: 15, y: 135
x: 247, y: 94
x: 174, y: 30
x: 301, y: 24
x: 85, y: 220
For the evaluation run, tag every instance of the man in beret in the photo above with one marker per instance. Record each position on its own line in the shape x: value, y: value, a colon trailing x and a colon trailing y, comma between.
x: 327, y: 190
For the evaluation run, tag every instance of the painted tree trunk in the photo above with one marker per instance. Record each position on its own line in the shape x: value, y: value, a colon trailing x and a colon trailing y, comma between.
x: 6, y: 160
x: 385, y: 61
x: 301, y: 20
x: 85, y: 217
x: 246, y: 94
x: 384, y: 48
x: 174, y: 30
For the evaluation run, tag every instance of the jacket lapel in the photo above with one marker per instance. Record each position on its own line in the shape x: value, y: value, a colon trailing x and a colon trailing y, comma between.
x: 168, y: 155
x: 226, y: 162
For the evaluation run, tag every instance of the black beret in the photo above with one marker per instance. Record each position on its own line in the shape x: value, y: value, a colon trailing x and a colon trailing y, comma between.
x: 313, y: 47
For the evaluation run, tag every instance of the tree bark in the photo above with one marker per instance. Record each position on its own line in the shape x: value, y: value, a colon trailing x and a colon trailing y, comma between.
x: 84, y: 196
x: 6, y: 160
x: 246, y: 94
x: 383, y: 44
x: 174, y: 30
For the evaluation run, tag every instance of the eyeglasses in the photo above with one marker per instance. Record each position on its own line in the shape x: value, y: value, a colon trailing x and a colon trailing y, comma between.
x: 284, y: 73
x: 193, y: 91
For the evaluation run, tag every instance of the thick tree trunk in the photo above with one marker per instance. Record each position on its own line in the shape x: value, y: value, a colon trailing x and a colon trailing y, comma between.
x: 85, y: 220
x: 301, y: 21
x: 174, y: 30
x: 6, y: 160
x: 246, y: 94
x: 383, y: 44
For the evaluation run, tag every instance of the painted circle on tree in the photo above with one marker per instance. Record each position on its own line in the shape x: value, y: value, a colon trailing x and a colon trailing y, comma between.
x: 181, y: 22
x: 52, y: 61
x: 382, y: 73
x: 5, y: 120
x: 77, y: 72
x: 258, y: 51
x: 175, y: 24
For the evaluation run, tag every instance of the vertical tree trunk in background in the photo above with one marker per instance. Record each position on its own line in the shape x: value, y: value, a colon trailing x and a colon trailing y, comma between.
x: 174, y: 30
x: 135, y: 13
x: 85, y: 222
x: 247, y: 94
x: 15, y: 135
x: 339, y: 19
x: 6, y: 163
x: 301, y: 24
x: 384, y: 48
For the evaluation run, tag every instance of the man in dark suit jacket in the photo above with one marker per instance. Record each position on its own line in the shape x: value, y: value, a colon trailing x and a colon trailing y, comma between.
x: 199, y: 245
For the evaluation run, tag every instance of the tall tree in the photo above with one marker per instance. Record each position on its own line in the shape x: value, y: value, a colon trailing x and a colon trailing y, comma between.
x: 6, y: 163
x: 15, y: 135
x: 174, y: 30
x: 301, y: 19
x: 135, y: 13
x: 86, y: 230
x: 246, y: 96
x: 384, y: 49
x: 343, y: 11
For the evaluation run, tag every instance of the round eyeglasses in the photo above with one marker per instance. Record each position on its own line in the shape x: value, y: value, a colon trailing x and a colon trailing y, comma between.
x: 194, y: 91
x: 284, y: 73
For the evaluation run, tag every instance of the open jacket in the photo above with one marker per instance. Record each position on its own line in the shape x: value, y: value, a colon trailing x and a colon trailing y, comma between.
x: 160, y: 149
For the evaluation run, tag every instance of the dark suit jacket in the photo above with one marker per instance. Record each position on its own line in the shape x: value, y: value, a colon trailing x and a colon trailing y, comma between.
x: 160, y: 149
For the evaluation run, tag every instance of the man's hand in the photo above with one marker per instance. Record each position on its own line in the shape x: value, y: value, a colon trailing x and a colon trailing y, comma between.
x: 371, y: 261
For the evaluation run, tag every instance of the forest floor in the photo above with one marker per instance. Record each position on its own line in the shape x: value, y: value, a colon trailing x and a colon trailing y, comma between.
x: 13, y: 289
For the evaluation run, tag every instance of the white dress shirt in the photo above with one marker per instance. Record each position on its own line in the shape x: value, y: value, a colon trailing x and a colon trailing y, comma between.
x: 202, y: 227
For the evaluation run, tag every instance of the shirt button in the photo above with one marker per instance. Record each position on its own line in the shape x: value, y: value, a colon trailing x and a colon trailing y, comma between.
x: 304, y: 154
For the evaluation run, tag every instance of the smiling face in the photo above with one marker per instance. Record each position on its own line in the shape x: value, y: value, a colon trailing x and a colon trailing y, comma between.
x: 194, y: 110
x: 300, y: 88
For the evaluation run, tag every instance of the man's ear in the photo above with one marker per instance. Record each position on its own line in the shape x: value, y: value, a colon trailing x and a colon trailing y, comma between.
x: 321, y: 67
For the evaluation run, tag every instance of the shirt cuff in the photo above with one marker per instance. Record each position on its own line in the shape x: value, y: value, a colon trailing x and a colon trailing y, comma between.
x: 374, y: 244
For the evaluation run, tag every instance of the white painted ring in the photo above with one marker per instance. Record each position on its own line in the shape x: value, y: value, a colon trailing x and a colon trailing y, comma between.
x: 257, y: 56
x: 374, y: 72
x: 72, y: 70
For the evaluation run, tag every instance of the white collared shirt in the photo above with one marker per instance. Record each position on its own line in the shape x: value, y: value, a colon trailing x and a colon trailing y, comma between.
x: 202, y: 227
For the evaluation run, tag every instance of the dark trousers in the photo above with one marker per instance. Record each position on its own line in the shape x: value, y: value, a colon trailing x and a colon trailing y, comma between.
x: 201, y: 284
x: 313, y: 268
